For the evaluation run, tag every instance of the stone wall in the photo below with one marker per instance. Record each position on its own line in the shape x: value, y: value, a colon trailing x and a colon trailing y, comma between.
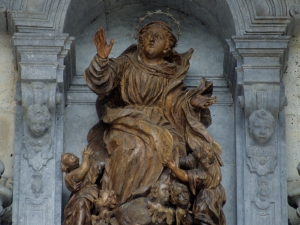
x: 292, y: 112
x: 8, y: 79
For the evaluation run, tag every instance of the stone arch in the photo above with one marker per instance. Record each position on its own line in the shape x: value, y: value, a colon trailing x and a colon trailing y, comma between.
x: 217, y: 14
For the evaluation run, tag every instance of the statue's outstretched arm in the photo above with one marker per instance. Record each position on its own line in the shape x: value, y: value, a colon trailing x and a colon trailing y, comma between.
x: 100, y: 75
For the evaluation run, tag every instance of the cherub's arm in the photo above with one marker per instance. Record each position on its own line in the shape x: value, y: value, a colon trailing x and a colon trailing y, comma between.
x: 180, y: 174
x: 78, y: 174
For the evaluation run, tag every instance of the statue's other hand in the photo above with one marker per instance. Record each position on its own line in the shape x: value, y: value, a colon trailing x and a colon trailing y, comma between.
x: 77, y: 186
x: 169, y: 163
x: 103, y: 49
x: 202, y: 102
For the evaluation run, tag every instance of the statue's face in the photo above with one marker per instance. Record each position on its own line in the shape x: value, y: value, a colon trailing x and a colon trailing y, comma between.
x: 262, y: 131
x: 155, y: 42
x: 182, y: 198
x: 163, y: 194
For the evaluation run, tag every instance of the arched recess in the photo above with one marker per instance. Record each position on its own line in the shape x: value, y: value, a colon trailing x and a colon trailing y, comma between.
x: 205, y: 26
x: 216, y: 14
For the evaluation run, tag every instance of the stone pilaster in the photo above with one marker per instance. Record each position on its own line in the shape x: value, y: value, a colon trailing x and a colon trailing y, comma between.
x: 41, y: 60
x: 260, y: 129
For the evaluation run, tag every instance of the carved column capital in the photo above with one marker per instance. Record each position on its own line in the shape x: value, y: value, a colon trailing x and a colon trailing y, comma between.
x: 261, y: 62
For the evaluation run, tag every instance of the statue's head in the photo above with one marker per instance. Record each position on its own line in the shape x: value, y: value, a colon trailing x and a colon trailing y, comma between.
x: 205, y: 156
x: 38, y: 119
x: 160, y: 192
x: 69, y: 162
x: 107, y: 199
x: 180, y: 195
x: 156, y: 39
x: 261, y: 126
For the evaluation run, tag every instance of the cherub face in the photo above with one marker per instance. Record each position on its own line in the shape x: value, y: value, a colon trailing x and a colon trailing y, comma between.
x: 262, y: 131
x: 38, y: 127
x: 69, y: 161
x: 163, y: 193
x: 106, y: 200
x: 155, y: 42
x: 182, y: 198
x: 38, y: 118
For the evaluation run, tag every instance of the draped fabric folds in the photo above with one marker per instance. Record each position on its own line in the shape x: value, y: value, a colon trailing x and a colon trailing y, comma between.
x: 148, y: 116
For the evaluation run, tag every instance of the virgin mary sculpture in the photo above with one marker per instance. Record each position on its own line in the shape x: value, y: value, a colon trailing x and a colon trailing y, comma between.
x: 149, y: 121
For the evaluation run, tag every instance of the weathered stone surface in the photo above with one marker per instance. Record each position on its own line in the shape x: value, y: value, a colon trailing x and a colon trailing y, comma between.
x: 7, y: 104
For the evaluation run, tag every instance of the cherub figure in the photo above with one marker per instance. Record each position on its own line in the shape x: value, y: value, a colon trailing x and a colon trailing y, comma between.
x: 204, y: 178
x: 84, y: 191
x: 180, y: 198
x: 262, y: 158
x: 38, y: 141
x: 160, y: 194
x: 74, y: 172
x: 151, y: 210
x: 104, y: 204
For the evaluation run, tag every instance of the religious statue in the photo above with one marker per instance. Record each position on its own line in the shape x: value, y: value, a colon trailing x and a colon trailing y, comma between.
x: 149, y: 124
x: 180, y: 197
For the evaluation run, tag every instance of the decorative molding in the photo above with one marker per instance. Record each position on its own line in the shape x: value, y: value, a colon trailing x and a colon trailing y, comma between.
x: 37, y: 184
x: 37, y: 123
x: 295, y: 11
x: 47, y: 17
x: 260, y: 66
x: 36, y: 211
x: 41, y: 60
x: 273, y: 20
x: 262, y: 216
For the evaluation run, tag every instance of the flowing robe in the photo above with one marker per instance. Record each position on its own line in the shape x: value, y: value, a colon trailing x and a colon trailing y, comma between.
x: 206, y: 185
x: 148, y: 117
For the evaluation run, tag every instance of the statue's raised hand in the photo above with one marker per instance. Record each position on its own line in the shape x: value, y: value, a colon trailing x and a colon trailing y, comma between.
x: 103, y: 49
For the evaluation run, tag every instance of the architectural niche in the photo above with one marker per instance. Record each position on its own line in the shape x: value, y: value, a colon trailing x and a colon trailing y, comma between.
x: 254, y: 35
